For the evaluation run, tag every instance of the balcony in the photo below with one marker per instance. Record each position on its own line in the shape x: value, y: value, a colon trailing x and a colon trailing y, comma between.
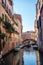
x: 9, y: 28
x: 39, y: 23
x: 7, y: 9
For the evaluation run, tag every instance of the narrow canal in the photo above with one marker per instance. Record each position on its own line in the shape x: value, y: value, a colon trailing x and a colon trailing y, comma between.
x: 25, y: 56
x: 29, y: 57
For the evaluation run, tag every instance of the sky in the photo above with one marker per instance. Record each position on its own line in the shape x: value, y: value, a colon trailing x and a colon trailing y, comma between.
x: 27, y: 9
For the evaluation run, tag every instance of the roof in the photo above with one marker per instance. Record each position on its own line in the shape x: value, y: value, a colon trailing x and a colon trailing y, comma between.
x: 18, y: 16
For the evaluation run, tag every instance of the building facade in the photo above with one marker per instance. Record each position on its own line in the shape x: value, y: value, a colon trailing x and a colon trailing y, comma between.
x: 39, y: 17
x: 18, y: 19
x: 36, y: 30
x: 7, y: 26
x: 6, y: 15
x: 10, y: 32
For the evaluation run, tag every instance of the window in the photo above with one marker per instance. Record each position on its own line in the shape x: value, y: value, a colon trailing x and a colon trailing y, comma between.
x: 42, y: 0
x: 5, y: 2
x: 10, y: 2
x: 39, y: 22
x: 3, y: 16
x: 39, y: 5
x: 2, y: 1
x: 0, y: 40
x: 6, y: 18
x: 0, y: 31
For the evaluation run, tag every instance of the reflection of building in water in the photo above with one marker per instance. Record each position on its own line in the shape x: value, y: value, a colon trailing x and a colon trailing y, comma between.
x: 16, y: 59
x: 39, y: 18
x: 21, y: 57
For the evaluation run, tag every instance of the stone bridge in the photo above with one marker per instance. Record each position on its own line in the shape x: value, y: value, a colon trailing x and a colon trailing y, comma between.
x: 28, y: 36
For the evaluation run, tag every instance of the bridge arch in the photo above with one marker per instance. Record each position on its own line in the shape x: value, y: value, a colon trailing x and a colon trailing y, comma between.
x: 28, y: 40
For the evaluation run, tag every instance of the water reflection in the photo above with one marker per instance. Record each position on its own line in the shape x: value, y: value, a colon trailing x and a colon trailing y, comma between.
x: 29, y: 58
x: 23, y: 57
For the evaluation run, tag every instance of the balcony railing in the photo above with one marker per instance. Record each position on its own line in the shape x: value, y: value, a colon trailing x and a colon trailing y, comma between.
x: 7, y: 9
